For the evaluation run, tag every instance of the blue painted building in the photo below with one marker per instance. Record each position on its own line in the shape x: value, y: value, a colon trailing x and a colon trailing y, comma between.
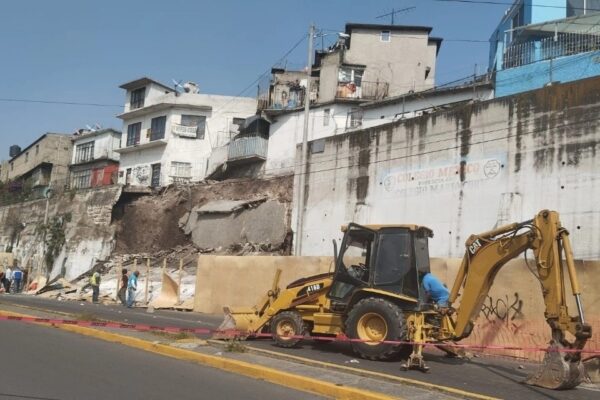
x: 539, y: 42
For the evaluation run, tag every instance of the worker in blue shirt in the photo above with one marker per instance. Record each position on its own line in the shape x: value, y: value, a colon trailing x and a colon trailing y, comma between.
x: 435, y: 289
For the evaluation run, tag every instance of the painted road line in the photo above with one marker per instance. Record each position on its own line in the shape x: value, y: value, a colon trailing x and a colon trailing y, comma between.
x: 369, y: 374
x: 293, y: 381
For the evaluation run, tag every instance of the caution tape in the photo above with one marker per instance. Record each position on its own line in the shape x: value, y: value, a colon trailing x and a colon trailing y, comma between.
x: 233, y: 334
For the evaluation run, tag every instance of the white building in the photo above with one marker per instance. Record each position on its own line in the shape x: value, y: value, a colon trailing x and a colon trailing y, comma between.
x: 95, y: 161
x: 168, y: 135
x: 339, y: 117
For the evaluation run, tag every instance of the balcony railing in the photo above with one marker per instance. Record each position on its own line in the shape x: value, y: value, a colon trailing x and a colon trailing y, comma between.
x: 186, y: 131
x: 560, y: 45
x: 248, y: 148
x: 365, y: 91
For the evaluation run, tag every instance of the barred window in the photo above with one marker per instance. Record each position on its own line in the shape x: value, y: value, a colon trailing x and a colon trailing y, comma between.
x: 198, y: 121
x: 81, y: 179
x: 84, y: 152
x: 181, y: 169
x: 157, y: 128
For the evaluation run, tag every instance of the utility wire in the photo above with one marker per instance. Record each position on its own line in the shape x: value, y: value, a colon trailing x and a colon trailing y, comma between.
x: 70, y: 103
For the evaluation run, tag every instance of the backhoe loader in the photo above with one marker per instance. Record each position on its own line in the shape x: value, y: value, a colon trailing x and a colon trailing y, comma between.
x: 374, y: 295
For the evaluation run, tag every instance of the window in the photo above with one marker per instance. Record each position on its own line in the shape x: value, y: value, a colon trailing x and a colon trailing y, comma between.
x: 350, y: 75
x: 326, y: 114
x: 12, y: 166
x: 582, y: 7
x: 355, y: 117
x: 157, y: 128
x: 26, y: 156
x: 133, y: 134
x: 199, y: 121
x: 81, y: 179
x: 84, y: 152
x: 137, y: 98
x: 181, y: 169
x: 318, y: 146
x: 386, y: 36
x: 37, y: 149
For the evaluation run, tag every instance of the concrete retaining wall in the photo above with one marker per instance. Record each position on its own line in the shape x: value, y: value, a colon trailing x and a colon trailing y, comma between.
x: 242, y: 281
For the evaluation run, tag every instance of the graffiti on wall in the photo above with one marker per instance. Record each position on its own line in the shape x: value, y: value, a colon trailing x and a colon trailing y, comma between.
x: 504, y: 309
x: 441, y: 178
x: 142, y: 173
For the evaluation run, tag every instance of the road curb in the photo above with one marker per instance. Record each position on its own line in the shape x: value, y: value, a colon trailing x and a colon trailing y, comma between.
x: 368, y: 374
x: 286, y: 379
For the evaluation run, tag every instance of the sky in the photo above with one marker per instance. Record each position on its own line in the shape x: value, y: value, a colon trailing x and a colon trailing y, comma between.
x: 82, y: 50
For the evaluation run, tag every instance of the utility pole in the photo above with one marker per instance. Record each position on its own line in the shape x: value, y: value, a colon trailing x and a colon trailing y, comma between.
x: 302, y: 169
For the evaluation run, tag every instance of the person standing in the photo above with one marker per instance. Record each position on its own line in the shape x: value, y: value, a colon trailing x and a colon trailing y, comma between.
x: 3, y: 280
x: 17, y: 279
x: 123, y: 288
x: 95, y: 282
x: 131, y: 288
x: 7, y: 279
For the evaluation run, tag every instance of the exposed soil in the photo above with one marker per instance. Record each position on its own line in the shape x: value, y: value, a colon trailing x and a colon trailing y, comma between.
x: 150, y: 223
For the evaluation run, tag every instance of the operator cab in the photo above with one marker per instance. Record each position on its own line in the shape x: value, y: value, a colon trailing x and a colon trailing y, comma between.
x: 382, y: 257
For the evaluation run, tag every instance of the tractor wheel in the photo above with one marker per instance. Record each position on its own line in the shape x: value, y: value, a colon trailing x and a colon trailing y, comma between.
x: 373, y: 320
x: 286, y: 327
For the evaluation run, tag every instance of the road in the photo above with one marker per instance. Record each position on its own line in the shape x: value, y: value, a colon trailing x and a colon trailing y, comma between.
x: 493, y: 377
x: 49, y: 364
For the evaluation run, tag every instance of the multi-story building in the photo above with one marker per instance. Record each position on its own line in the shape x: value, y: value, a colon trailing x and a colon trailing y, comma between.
x: 95, y: 161
x: 168, y: 135
x: 43, y: 163
x: 368, y: 62
x: 535, y: 46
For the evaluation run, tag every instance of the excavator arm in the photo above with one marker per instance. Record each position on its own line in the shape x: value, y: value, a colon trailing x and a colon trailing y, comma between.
x: 488, y: 252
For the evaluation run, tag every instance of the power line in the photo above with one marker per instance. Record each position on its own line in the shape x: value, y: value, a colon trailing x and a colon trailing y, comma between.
x: 70, y: 103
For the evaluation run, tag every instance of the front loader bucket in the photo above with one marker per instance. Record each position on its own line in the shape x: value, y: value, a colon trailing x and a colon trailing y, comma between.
x: 557, y: 373
x: 237, y: 324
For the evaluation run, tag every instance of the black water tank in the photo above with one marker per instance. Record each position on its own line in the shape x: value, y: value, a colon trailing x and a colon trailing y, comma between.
x: 14, y: 151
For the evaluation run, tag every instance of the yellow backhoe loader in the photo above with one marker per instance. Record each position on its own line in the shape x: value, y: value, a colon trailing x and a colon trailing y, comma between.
x: 374, y: 295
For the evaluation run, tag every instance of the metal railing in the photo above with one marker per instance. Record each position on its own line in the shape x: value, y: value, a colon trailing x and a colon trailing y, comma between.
x: 253, y: 147
x: 366, y: 90
x: 560, y: 45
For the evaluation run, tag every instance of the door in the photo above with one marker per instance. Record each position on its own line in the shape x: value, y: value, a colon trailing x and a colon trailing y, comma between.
x: 155, y: 181
x: 128, y: 177
x: 353, y: 266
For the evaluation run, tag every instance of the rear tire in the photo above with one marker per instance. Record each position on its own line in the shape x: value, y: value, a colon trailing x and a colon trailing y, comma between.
x: 286, y: 324
x: 375, y: 319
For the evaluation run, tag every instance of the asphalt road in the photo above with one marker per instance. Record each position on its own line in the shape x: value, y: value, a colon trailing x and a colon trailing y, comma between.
x: 490, y: 376
x: 49, y: 364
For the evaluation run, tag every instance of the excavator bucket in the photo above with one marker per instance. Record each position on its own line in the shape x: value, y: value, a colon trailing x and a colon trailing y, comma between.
x: 557, y: 373
x: 236, y: 324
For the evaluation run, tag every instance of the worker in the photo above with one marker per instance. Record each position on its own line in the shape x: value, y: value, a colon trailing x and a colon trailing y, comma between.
x: 7, y: 279
x: 95, y: 282
x: 17, y: 279
x: 131, y: 288
x: 123, y: 287
x: 435, y: 289
x: 3, y: 280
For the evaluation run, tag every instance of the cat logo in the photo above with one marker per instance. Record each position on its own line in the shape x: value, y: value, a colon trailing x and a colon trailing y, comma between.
x: 476, y: 245
x: 314, y: 288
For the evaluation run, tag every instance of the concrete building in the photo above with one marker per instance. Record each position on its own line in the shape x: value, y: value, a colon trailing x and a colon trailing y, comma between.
x: 534, y: 46
x: 95, y: 161
x: 368, y: 62
x: 43, y: 163
x: 168, y: 135
x: 338, y: 117
x: 464, y: 170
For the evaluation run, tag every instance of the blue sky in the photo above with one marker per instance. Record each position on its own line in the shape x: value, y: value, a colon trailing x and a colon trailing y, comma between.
x: 82, y: 50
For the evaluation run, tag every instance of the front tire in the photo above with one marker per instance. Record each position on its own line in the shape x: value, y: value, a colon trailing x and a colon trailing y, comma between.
x: 286, y: 327
x: 374, y: 320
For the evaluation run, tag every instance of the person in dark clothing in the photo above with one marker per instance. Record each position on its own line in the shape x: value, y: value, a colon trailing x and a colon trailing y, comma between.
x: 5, y: 282
x: 123, y: 288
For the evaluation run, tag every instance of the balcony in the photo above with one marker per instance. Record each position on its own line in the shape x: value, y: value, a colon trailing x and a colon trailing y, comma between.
x: 364, y: 91
x: 185, y: 131
x: 248, y: 149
